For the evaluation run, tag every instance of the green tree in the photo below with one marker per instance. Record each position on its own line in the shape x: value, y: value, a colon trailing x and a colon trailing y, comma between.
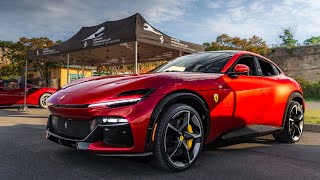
x: 312, y: 41
x: 224, y: 42
x: 6, y: 44
x: 287, y: 37
x: 17, y: 56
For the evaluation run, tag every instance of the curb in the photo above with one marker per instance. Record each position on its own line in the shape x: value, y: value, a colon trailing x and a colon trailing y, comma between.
x: 312, y: 127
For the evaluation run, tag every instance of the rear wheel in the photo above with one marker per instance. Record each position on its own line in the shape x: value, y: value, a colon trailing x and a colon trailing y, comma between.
x: 293, y: 126
x: 43, y: 100
x: 179, y: 138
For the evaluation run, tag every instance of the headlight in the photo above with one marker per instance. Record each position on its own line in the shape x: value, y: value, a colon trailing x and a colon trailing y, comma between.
x: 112, y: 120
x: 117, y: 102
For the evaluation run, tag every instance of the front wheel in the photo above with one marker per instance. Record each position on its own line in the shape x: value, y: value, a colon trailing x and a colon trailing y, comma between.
x: 293, y: 125
x: 179, y: 138
x: 43, y: 100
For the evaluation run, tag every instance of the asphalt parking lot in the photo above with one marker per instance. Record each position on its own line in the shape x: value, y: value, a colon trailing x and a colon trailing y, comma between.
x: 26, y: 154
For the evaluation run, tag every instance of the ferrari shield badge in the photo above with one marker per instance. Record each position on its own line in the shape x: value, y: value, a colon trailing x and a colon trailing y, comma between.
x: 216, y: 97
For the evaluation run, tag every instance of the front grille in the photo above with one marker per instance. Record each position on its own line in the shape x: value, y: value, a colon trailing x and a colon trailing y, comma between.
x: 74, y: 129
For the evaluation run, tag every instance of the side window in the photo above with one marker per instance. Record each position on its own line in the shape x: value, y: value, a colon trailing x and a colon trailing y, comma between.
x: 11, y: 85
x: 275, y: 69
x: 267, y: 68
x: 248, y: 61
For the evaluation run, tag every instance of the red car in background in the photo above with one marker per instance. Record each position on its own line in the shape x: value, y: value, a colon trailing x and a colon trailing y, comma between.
x: 12, y: 94
x: 171, y: 112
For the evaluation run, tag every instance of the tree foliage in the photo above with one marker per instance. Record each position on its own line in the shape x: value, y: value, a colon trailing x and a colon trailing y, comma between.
x: 224, y: 42
x: 287, y: 37
x: 312, y: 41
x: 17, y: 56
x: 6, y: 44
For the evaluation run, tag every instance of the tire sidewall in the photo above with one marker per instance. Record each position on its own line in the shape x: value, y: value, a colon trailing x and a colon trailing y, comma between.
x: 40, y: 100
x: 166, y: 118
x: 287, y: 126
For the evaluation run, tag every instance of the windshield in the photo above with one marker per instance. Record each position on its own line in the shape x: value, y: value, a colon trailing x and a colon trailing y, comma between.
x: 205, y: 63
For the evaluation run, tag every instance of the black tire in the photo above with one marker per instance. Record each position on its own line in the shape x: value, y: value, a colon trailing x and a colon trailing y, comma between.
x: 293, y: 124
x: 43, y: 100
x: 178, y: 132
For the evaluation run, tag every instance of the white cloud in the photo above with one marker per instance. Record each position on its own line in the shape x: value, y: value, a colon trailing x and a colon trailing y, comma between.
x: 264, y: 18
x: 193, y: 20
x: 167, y: 10
x: 60, y: 19
x: 214, y: 3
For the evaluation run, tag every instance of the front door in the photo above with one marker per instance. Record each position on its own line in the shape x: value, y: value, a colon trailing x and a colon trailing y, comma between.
x: 11, y: 94
x: 249, y: 94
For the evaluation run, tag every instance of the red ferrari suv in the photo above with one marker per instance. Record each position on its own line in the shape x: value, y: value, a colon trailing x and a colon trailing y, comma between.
x: 172, y: 111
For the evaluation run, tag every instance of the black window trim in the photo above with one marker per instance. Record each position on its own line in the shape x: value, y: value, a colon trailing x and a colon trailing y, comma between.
x: 267, y: 61
x: 239, y: 58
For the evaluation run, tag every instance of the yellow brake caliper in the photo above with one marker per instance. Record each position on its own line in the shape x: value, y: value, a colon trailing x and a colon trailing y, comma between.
x: 189, y: 142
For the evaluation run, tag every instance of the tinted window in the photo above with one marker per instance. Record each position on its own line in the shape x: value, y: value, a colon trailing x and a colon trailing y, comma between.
x: 267, y: 68
x: 275, y: 69
x: 11, y: 85
x: 205, y: 63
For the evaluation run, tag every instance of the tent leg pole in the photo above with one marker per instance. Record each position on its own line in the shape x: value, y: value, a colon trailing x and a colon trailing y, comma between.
x: 136, y: 58
x: 68, y: 68
x: 25, y: 108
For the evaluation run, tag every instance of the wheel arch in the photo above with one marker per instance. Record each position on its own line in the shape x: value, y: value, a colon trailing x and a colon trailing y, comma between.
x: 188, y: 97
x: 296, y: 96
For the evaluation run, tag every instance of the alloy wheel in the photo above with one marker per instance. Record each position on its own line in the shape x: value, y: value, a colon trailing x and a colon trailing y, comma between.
x: 296, y: 122
x: 43, y: 100
x: 183, y: 138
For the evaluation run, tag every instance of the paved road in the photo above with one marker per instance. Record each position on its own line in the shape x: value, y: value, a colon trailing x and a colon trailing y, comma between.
x: 313, y: 105
x: 26, y: 154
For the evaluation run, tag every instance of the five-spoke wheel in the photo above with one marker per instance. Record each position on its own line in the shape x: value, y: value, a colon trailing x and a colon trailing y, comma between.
x: 179, y: 137
x: 293, y: 126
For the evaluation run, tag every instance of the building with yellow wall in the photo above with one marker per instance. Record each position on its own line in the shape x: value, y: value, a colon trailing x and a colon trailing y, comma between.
x: 59, y: 75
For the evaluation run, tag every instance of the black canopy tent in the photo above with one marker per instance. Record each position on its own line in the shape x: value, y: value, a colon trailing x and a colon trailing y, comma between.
x: 126, y: 41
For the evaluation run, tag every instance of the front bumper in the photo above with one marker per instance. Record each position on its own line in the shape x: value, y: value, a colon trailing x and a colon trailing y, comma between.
x: 85, y: 135
x: 83, y: 145
x: 138, y: 117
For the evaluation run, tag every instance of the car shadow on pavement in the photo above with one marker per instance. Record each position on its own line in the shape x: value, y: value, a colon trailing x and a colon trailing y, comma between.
x: 33, y: 112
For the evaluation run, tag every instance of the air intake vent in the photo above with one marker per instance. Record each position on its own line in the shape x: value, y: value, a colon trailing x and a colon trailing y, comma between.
x: 135, y: 92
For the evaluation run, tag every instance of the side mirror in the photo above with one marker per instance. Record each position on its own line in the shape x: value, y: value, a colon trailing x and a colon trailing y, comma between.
x: 241, y: 69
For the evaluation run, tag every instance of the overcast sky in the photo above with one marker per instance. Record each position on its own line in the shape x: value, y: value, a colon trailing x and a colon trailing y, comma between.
x: 192, y: 20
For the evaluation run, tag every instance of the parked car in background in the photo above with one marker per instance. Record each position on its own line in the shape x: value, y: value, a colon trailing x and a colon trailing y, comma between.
x: 12, y: 94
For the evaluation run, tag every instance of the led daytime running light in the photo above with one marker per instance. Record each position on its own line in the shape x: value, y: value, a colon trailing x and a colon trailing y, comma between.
x: 116, y: 102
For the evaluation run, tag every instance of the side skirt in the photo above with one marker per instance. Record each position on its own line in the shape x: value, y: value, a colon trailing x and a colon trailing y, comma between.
x: 251, y: 131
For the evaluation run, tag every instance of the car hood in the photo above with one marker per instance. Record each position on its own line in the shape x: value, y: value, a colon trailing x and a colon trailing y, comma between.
x: 105, y: 84
x: 99, y: 89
